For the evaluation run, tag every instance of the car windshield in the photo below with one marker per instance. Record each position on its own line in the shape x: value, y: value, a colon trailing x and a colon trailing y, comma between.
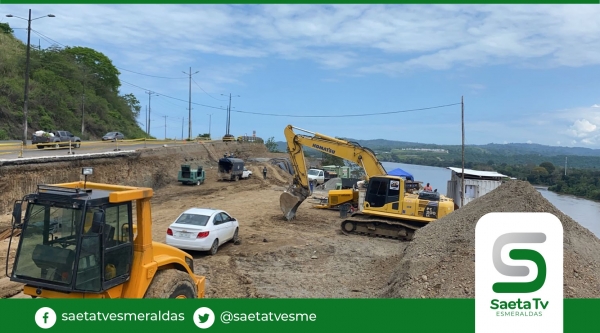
x: 193, y: 219
x: 110, y: 133
x: 313, y: 172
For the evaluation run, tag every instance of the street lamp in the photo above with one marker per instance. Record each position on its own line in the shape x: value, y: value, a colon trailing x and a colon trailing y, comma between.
x: 229, y: 112
x: 26, y: 97
x: 209, y: 121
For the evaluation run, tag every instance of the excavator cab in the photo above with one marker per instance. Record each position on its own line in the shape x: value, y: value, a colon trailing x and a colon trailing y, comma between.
x: 78, y: 240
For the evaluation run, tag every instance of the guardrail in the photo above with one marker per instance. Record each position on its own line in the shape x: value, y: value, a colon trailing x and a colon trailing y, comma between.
x: 20, y: 148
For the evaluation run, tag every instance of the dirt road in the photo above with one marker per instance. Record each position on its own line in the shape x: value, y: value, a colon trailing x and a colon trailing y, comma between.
x: 306, y: 258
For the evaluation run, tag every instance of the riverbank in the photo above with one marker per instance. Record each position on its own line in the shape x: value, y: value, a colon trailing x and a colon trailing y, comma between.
x: 581, y: 183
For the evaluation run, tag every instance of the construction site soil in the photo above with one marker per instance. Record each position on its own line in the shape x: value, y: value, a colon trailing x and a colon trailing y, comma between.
x: 309, y: 257
x: 440, y: 261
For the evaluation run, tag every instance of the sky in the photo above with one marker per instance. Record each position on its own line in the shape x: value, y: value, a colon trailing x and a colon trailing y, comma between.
x: 526, y: 73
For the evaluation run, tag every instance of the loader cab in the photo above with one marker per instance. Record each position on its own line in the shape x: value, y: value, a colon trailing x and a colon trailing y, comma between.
x: 390, y: 194
x: 72, y: 240
x: 383, y: 191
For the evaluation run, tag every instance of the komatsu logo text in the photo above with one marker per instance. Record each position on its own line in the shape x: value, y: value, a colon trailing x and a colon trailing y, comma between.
x: 327, y: 150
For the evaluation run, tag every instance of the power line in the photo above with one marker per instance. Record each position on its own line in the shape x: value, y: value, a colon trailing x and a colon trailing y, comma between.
x: 175, y: 98
x: 346, y: 115
x: 309, y: 116
x: 272, y: 114
x: 209, y: 95
x: 160, y: 77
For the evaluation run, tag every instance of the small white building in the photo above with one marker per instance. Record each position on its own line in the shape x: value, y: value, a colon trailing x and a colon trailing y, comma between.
x: 477, y: 184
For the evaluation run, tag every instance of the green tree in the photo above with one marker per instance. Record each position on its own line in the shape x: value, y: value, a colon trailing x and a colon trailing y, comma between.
x: 133, y: 104
x: 271, y: 145
x: 332, y: 160
x: 548, y: 166
x: 5, y: 28
x: 98, y: 64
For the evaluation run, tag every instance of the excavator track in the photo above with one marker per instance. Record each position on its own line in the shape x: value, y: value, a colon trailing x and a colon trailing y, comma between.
x: 360, y: 224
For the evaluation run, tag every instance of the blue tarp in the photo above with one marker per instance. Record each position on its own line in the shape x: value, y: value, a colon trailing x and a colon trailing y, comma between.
x: 401, y: 173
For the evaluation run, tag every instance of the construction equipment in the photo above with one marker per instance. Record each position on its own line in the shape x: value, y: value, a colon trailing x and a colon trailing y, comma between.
x: 228, y: 138
x: 79, y: 240
x: 188, y: 176
x: 387, y: 207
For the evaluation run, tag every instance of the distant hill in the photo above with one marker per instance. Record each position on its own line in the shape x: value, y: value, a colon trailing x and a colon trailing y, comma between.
x: 63, y: 82
x: 511, y: 153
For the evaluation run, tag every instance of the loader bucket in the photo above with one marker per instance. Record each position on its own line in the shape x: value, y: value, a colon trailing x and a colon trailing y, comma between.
x: 289, y: 204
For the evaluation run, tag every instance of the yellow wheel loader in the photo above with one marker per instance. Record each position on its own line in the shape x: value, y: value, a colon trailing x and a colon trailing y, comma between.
x: 387, y: 206
x: 83, y: 240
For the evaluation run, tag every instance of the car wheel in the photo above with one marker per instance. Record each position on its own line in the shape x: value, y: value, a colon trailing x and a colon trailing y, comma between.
x: 236, y: 237
x: 78, y: 144
x: 214, y: 248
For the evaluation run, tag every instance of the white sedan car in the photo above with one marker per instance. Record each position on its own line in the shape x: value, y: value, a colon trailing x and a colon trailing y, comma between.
x: 202, y: 229
x: 246, y: 173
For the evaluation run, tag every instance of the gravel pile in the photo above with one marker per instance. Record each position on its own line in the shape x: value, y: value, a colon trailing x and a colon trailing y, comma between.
x: 440, y: 261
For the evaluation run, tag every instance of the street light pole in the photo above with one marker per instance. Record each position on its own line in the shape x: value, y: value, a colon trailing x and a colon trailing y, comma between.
x: 229, y: 113
x: 190, y: 104
x: 26, y: 94
x: 150, y: 93
x: 209, y: 122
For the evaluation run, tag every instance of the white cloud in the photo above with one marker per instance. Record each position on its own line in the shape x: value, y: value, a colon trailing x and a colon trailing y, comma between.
x: 558, y: 143
x: 596, y: 106
x: 581, y: 128
x: 529, y: 141
x: 372, y: 38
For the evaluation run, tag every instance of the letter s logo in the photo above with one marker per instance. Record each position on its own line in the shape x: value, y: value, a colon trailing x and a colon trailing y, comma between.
x: 519, y: 254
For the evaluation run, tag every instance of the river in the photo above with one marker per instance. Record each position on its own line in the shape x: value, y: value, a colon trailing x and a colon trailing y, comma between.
x: 584, y: 211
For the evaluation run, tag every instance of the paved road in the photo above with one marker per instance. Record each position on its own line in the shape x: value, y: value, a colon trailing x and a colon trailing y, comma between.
x: 9, y: 151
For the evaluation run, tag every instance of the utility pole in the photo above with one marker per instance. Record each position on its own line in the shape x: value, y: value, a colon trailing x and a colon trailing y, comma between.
x: 165, y: 126
x: 228, y: 114
x: 83, y: 101
x: 565, y: 165
x: 190, y: 104
x: 209, y: 122
x: 146, y: 119
x: 26, y: 94
x: 462, y: 185
x: 150, y: 93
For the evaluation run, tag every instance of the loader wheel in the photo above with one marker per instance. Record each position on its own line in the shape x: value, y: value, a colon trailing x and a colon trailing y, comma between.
x: 171, y: 283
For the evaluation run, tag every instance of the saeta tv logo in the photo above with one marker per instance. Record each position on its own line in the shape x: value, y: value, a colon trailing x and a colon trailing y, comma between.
x: 519, y: 254
x: 518, y: 272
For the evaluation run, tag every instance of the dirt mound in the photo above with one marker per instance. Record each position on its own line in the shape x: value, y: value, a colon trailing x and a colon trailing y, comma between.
x: 440, y: 261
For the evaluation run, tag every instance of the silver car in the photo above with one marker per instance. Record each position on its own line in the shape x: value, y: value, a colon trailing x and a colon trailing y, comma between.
x: 112, y: 136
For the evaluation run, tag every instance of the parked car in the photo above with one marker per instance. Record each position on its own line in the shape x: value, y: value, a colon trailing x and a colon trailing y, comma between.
x: 60, y: 139
x: 203, y: 229
x: 112, y: 136
x: 246, y: 173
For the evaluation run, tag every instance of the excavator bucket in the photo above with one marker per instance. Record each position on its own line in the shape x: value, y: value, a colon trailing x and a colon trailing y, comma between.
x: 289, y: 203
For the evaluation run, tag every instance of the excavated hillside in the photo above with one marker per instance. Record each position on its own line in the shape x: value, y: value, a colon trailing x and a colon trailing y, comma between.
x: 440, y: 261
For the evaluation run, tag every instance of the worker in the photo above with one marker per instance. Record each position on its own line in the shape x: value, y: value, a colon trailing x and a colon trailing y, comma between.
x: 428, y: 188
x: 265, y: 172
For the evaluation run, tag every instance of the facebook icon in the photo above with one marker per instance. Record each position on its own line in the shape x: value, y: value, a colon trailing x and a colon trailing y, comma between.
x: 45, y: 317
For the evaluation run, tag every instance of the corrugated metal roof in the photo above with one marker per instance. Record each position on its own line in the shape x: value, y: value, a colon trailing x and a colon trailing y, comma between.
x: 478, y: 173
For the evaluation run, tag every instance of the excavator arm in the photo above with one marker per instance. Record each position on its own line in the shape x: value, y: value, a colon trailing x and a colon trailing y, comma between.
x: 291, y: 199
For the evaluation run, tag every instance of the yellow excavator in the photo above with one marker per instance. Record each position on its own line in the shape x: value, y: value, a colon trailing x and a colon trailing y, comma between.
x: 387, y: 207
x: 83, y: 240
